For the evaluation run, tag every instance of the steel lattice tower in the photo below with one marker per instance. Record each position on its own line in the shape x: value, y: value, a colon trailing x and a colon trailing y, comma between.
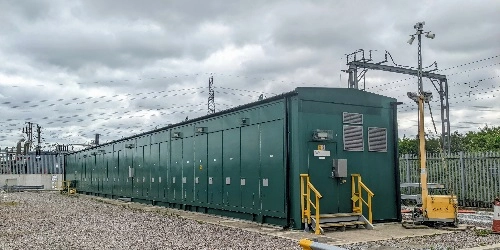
x: 211, y: 95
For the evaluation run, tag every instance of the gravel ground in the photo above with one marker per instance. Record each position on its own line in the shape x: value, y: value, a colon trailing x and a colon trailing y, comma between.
x: 479, y: 219
x: 54, y: 221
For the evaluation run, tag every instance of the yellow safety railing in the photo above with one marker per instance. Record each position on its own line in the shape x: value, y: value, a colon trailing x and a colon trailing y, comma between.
x: 305, y: 201
x: 357, y: 187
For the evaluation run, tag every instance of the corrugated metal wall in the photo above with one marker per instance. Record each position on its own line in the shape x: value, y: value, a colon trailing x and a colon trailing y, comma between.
x: 473, y: 177
x: 31, y: 164
x: 232, y: 164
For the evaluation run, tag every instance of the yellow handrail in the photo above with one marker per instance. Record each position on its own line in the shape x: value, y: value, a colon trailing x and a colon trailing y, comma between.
x: 357, y: 197
x: 305, y: 197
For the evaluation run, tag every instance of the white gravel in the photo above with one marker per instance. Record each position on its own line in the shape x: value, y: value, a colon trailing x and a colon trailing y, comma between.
x: 54, y: 221
x: 479, y: 219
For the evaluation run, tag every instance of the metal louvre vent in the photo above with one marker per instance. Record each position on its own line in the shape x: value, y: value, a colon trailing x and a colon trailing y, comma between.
x: 352, y: 118
x: 377, y: 139
x: 353, y: 138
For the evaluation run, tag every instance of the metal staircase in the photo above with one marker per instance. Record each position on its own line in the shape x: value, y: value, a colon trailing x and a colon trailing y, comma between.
x: 320, y: 223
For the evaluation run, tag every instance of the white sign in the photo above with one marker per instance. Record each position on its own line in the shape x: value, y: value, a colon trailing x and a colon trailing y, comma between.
x: 321, y: 153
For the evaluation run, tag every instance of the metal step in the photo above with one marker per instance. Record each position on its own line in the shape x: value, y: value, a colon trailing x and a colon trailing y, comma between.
x: 341, y: 221
x: 338, y: 215
x: 343, y: 224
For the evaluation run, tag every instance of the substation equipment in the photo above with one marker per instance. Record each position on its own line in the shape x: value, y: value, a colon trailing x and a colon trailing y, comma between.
x: 289, y: 160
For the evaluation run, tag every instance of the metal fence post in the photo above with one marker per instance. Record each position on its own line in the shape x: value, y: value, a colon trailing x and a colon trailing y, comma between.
x: 408, y: 173
x: 462, y: 177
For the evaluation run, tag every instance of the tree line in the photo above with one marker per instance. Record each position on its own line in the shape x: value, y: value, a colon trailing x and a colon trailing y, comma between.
x: 487, y: 139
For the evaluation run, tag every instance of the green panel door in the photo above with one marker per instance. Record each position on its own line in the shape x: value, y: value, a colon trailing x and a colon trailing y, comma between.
x: 83, y: 184
x: 88, y: 163
x: 272, y: 167
x: 99, y: 172
x: 105, y: 179
x: 320, y: 173
x: 116, y: 173
x: 93, y: 174
x: 231, y: 168
x: 146, y: 172
x: 188, y: 170
x: 201, y: 177
x: 86, y: 174
x: 81, y: 171
x: 163, y: 171
x: 128, y: 164
x: 91, y: 169
x: 88, y: 171
x: 102, y: 174
x: 250, y: 166
x: 175, y: 176
x: 214, y: 168
x: 154, y: 165
x: 138, y: 174
x: 119, y: 182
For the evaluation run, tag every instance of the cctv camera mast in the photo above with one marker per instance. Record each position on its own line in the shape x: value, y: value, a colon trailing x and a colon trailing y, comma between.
x: 435, y: 209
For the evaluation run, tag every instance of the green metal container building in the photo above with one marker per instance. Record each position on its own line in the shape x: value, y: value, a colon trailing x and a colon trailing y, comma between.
x: 246, y: 162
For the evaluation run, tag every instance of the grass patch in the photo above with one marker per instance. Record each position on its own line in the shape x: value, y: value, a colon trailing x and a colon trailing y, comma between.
x: 9, y: 203
x: 482, y: 232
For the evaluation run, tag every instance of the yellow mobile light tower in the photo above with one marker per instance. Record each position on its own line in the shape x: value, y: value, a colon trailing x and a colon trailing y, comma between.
x: 435, y: 209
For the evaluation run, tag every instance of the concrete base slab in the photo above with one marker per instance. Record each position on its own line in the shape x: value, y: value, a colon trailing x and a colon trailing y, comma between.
x: 383, y: 231
x: 490, y: 247
x: 49, y: 181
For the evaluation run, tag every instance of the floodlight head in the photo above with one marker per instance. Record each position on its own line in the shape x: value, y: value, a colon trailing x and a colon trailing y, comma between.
x: 412, y: 95
x: 427, y: 96
x: 411, y: 39
x: 430, y: 35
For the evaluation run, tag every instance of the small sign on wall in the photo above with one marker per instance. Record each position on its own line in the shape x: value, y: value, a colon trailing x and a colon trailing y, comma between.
x: 322, y: 153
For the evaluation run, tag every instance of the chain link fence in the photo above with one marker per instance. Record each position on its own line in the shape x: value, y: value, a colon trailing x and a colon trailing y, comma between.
x: 473, y: 176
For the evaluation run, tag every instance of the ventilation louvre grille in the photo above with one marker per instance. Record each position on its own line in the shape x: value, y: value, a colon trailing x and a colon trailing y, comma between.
x: 353, y: 138
x: 352, y: 118
x: 377, y: 139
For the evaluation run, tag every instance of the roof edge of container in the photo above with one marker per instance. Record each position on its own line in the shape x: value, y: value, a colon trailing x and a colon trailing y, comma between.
x: 244, y: 106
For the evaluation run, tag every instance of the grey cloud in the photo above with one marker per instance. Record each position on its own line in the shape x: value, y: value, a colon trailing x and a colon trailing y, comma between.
x: 150, y: 61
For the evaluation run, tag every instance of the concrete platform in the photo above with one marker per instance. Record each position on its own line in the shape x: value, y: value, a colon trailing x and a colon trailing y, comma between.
x: 49, y: 181
x: 381, y: 231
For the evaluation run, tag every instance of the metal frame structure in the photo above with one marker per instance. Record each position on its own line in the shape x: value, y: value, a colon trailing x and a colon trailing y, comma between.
x: 357, y: 61
x: 211, y: 96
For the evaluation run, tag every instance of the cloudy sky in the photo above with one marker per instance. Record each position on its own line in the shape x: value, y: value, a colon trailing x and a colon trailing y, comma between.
x: 78, y: 68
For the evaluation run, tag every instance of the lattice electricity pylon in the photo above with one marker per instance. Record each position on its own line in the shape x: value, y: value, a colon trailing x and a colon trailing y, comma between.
x: 211, y: 95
